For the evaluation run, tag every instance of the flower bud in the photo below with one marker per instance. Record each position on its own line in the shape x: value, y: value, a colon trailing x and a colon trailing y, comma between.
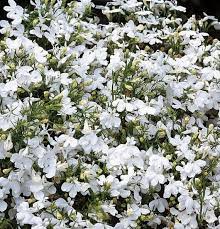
x: 35, y: 22
x: 72, y: 216
x: 161, y: 133
x: 31, y: 200
x: 58, y: 215
x: 99, y: 171
x: 195, y: 136
x: 3, y: 136
x: 12, y: 66
x: 74, y: 84
x: 128, y: 87
x: 210, y: 128
x: 40, y: 67
x: 7, y: 171
x: 45, y: 120
x: 46, y: 94
x: 130, y: 211
x: 170, y: 52
x: 141, y: 139
x: 53, y: 61
x: 194, y: 71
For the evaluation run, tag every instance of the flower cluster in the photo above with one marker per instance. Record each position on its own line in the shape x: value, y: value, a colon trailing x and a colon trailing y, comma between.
x: 108, y: 125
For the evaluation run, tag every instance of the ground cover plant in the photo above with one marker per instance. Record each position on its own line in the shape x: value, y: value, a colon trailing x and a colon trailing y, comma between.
x: 108, y: 124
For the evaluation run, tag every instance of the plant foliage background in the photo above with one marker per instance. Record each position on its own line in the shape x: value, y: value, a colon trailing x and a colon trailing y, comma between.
x: 109, y: 124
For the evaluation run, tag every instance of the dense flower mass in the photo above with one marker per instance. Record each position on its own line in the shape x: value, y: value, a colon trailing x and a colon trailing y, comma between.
x: 108, y: 125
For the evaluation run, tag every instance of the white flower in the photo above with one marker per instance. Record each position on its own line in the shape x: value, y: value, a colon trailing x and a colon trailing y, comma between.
x: 96, y: 81
x: 36, y: 186
x: 121, y: 105
x: 81, y: 6
x: 110, y: 120
x: 74, y: 188
x: 67, y: 141
x: 143, y: 109
x: 183, y: 147
x: 6, y: 27
x: 13, y: 45
x: 48, y: 164
x: 90, y: 142
x: 187, y: 220
x: 9, y: 119
x: 101, y: 55
x: 35, y: 76
x: 3, y: 205
x: 160, y: 204
x: 8, y: 144
x: 64, y: 79
x: 191, y: 169
x: 186, y: 202
x: 125, y: 155
x: 109, y: 209
x: 202, y: 98
x: 71, y: 188
x: 21, y: 159
x: 115, y: 61
x: 67, y: 106
x: 25, y: 215
x: 37, y: 31
x: 151, y: 178
x: 173, y: 189
x: 40, y: 54
x: 210, y: 216
x: 15, y: 12
x: 158, y: 163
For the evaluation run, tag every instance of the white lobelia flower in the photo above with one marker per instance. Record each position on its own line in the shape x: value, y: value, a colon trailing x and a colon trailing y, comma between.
x: 96, y: 81
x: 21, y: 160
x: 13, y: 45
x: 65, y: 80
x: 173, y: 189
x: 121, y: 105
x: 3, y: 151
x: 188, y: 220
x: 101, y: 55
x: 210, y: 216
x: 67, y: 141
x: 160, y: 204
x: 25, y: 215
x: 158, y: 163
x: 125, y: 155
x: 40, y: 54
x: 151, y: 178
x: 48, y: 163
x: 183, y: 146
x: 110, y: 120
x: 109, y: 208
x: 5, y: 27
x: 143, y: 109
x: 90, y: 142
x: 74, y: 188
x: 36, y: 186
x: 187, y: 202
x: 35, y: 76
x: 8, y: 144
x: 191, y: 169
x: 68, y: 107
x: 3, y: 205
x: 115, y: 61
x: 15, y: 12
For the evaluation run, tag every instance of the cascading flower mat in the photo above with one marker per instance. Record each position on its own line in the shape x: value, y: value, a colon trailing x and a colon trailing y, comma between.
x: 108, y: 123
